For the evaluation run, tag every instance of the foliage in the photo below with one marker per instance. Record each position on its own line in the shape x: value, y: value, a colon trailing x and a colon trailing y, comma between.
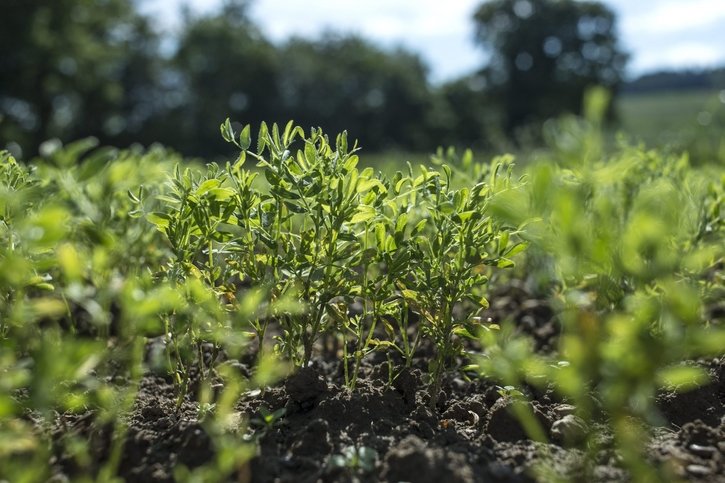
x: 345, y: 82
x: 629, y: 246
x: 223, y: 64
x: 545, y: 54
x: 324, y: 232
x: 633, y: 244
x: 464, y: 114
x: 78, y: 305
x: 450, y: 248
x: 74, y: 68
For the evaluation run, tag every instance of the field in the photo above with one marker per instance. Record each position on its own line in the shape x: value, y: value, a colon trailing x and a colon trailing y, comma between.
x: 685, y: 120
x: 293, y: 316
x: 689, y: 121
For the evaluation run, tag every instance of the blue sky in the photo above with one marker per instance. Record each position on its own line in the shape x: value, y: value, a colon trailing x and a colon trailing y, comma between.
x: 658, y: 33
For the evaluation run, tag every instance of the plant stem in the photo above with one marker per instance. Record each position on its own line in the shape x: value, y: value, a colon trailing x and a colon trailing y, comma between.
x: 443, y: 348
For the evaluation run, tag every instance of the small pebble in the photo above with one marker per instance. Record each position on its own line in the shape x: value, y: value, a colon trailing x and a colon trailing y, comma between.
x: 564, y: 410
x: 473, y: 418
x: 703, y: 451
x: 569, y: 429
x: 459, y: 384
x: 698, y: 470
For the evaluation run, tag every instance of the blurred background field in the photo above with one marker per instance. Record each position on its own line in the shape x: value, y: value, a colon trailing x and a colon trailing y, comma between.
x: 690, y: 119
x: 693, y: 120
x: 402, y: 77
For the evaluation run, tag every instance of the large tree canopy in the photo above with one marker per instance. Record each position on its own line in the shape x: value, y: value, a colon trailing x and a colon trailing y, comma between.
x: 346, y: 82
x: 72, y: 68
x: 545, y: 53
x: 224, y: 67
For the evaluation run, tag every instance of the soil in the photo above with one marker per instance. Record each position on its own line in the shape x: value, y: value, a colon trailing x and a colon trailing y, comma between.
x: 470, y: 437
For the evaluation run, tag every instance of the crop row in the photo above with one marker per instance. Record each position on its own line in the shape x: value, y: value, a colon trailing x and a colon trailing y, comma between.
x: 115, y: 264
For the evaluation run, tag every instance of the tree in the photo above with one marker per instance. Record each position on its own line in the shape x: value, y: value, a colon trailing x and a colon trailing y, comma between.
x: 463, y: 116
x: 72, y: 68
x: 545, y: 53
x: 345, y: 82
x: 224, y: 68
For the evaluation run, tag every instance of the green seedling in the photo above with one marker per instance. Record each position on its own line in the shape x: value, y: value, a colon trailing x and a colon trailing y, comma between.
x: 263, y: 422
x: 635, y: 249
x: 306, y: 223
x: 454, y: 247
x: 268, y: 418
x: 355, y: 460
x: 509, y: 391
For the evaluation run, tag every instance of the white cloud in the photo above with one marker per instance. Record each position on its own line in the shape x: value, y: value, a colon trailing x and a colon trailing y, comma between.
x: 675, y: 16
x: 440, y: 31
x: 393, y: 20
x: 685, y: 54
x: 658, y: 33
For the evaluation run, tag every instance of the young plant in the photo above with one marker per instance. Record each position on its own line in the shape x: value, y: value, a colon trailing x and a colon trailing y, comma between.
x: 197, y: 208
x: 266, y: 420
x: 453, y: 247
x: 306, y: 225
x: 635, y: 243
x: 355, y: 460
x: 385, y: 254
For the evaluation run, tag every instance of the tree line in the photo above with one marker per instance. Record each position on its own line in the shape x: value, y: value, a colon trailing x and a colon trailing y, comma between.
x: 76, y: 68
x: 683, y: 80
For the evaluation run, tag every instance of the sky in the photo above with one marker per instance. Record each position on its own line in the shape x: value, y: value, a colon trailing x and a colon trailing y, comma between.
x: 658, y: 34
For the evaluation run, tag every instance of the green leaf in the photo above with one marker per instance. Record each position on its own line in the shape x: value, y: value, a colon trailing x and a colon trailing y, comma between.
x: 364, y: 213
x: 245, y: 138
x: 262, y: 137
x: 410, y: 295
x: 516, y: 249
x: 418, y: 227
x: 503, y: 242
x: 446, y: 207
x: 383, y: 344
x: 682, y: 378
x: 390, y: 244
x: 221, y: 194
x: 206, y: 186
x: 464, y: 216
x: 505, y: 263
x: 447, y: 170
x: 399, y: 185
x: 401, y: 223
x: 230, y: 228
x: 288, y: 133
x: 310, y: 153
x: 463, y: 332
x: 351, y: 163
x: 294, y: 207
x: 161, y: 220
x: 227, y: 131
x: 272, y: 177
x: 367, y: 184
x: 380, y: 236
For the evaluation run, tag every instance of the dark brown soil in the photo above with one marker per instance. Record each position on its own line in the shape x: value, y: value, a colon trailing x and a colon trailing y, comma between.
x: 472, y: 437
